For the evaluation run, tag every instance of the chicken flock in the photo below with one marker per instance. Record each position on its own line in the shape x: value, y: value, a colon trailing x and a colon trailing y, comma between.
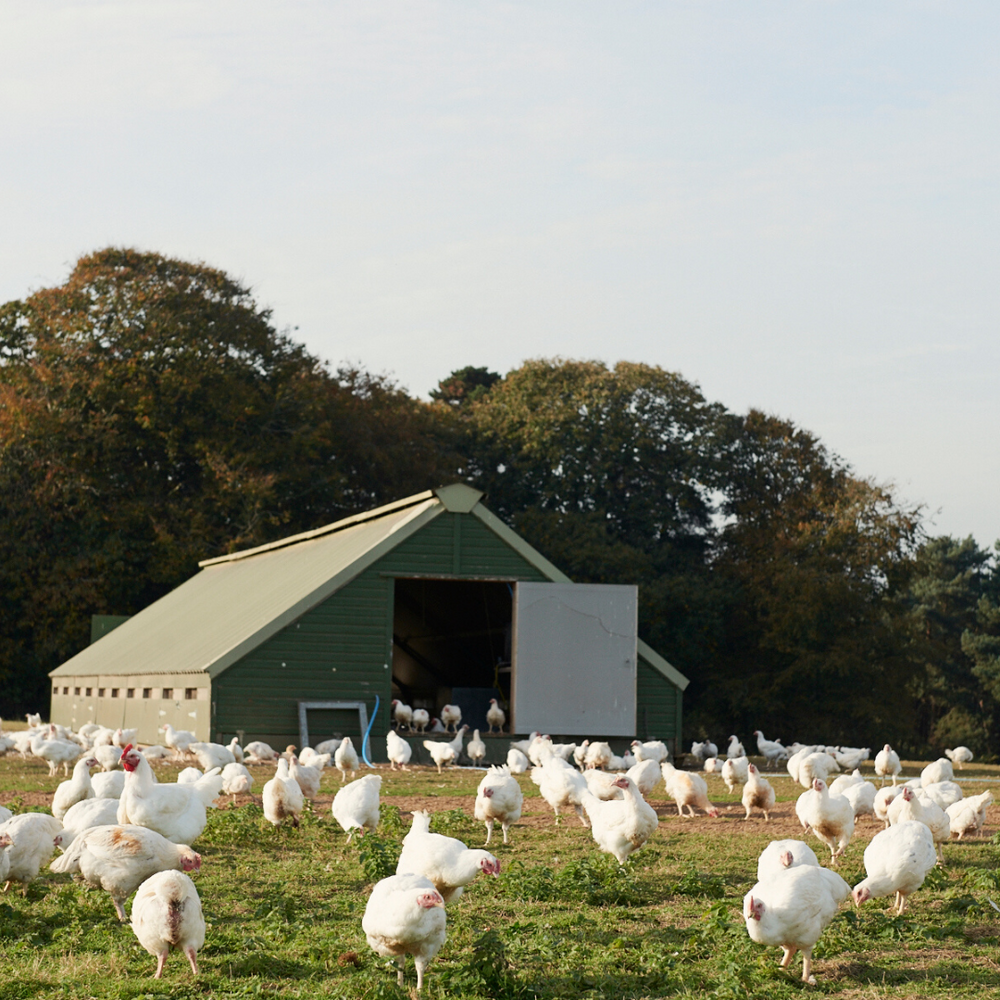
x: 131, y: 835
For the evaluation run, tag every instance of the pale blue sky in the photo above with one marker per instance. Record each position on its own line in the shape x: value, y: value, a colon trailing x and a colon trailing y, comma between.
x: 794, y: 205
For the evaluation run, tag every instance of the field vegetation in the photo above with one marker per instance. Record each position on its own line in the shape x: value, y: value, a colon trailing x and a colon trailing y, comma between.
x: 562, y: 920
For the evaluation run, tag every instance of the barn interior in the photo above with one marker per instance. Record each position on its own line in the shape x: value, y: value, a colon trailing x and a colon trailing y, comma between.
x: 452, y: 644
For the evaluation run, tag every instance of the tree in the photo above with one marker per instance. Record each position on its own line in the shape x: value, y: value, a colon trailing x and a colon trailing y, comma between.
x: 814, y: 559
x: 464, y: 386
x: 151, y: 416
x: 948, y: 582
x: 635, y: 446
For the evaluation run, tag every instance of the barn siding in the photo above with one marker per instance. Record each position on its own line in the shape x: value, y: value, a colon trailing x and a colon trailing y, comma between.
x: 657, y: 707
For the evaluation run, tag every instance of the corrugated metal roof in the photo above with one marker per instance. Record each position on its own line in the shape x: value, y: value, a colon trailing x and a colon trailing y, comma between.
x: 234, y: 604
x: 238, y: 601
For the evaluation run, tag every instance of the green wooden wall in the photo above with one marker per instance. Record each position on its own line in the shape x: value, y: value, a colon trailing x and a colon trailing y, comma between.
x: 341, y: 650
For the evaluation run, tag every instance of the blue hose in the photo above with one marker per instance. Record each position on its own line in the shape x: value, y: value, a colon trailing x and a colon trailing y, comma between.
x: 364, y: 740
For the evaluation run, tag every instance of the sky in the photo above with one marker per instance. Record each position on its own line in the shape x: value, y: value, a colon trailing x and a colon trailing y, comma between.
x: 792, y: 204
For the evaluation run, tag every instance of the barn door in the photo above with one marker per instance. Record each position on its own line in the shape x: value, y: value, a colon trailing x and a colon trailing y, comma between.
x: 574, y: 658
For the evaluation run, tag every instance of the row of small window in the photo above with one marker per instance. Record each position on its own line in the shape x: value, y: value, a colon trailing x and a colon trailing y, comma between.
x: 190, y: 694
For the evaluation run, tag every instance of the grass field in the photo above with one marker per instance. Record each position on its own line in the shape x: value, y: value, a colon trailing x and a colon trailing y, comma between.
x: 284, y: 909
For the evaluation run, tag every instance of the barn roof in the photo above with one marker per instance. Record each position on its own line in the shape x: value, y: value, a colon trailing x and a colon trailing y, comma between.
x: 238, y: 601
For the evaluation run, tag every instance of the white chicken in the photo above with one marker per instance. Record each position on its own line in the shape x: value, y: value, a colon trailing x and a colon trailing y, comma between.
x: 308, y: 778
x: 108, y: 784
x: 177, y: 739
x: 849, y: 758
x: 517, y: 762
x: 446, y: 861
x: 883, y: 797
x: 792, y: 908
x: 397, y: 750
x: 166, y: 914
x: 122, y: 738
x: 830, y: 817
x: 446, y: 753
x: 861, y: 795
x: 734, y: 772
x: 969, y: 815
x: 5, y: 843
x: 560, y: 785
x: 476, y: 749
x: 771, y: 750
x: 782, y: 854
x: 620, y: 826
x: 356, y: 805
x: 236, y: 780
x: 598, y: 754
x: 960, y: 756
x: 32, y: 844
x: 498, y: 799
x: 702, y: 751
x: 346, y: 758
x: 282, y: 796
x: 887, y: 764
x: 757, y: 793
x: 211, y: 755
x: 937, y: 770
x: 259, y: 752
x: 76, y: 789
x: 735, y: 748
x: 312, y: 758
x: 118, y: 858
x: 236, y: 750
x: 451, y: 716
x: 651, y: 750
x: 647, y: 775
x: 108, y: 755
x: 420, y: 720
x: 496, y: 718
x: 897, y: 860
x: 405, y: 916
x: 840, y: 784
x: 602, y: 784
x: 687, y: 789
x: 944, y: 793
x: 86, y: 815
x: 910, y: 804
x: 175, y: 811
x: 55, y: 751
x: 402, y: 714
x: 816, y: 765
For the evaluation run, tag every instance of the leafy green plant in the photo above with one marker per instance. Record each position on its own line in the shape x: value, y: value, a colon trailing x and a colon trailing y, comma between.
x: 453, y: 823
x: 378, y: 856
x: 694, y: 883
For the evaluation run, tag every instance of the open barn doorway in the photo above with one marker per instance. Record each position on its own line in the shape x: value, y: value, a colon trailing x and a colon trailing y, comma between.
x: 451, y: 643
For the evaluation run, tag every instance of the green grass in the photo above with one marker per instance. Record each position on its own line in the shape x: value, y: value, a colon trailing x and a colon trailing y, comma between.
x: 562, y: 920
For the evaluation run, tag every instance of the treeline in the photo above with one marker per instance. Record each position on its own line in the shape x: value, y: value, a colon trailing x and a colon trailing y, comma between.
x: 152, y: 416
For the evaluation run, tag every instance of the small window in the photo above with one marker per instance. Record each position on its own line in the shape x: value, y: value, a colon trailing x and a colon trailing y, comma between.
x: 76, y: 690
x: 100, y: 692
x: 90, y: 692
x: 65, y: 690
x: 131, y: 693
x: 114, y: 692
x: 190, y: 694
x: 147, y: 692
x: 168, y: 692
x: 55, y: 690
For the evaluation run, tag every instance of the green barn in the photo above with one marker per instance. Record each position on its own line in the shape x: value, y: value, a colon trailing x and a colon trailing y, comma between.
x: 431, y: 600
